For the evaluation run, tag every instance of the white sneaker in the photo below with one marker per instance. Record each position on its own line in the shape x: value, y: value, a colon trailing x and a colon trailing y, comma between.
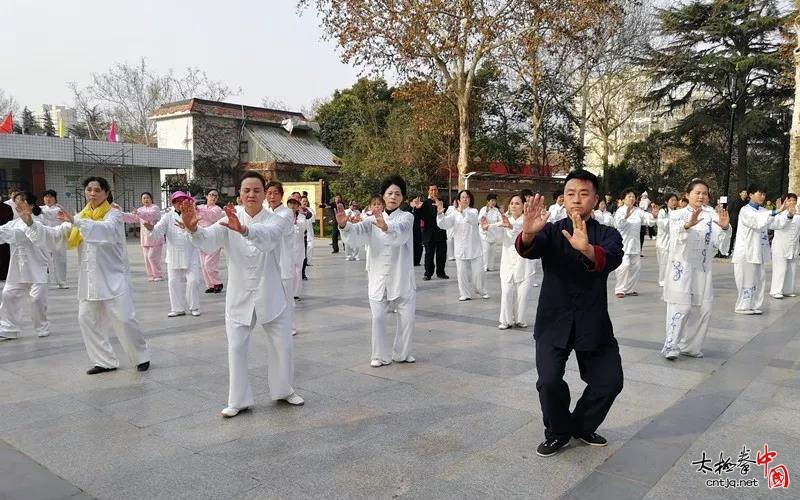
x: 230, y: 411
x: 462, y: 299
x: 485, y: 295
x: 661, y: 284
x: 758, y: 311
x: 522, y: 324
x: 44, y: 334
x: 63, y: 286
x: 409, y: 359
x: 294, y: 399
x: 671, y: 355
x: 502, y: 326
x: 175, y: 314
x: 195, y: 312
x: 744, y: 311
x: 691, y: 355
x: 791, y: 295
x: 776, y: 295
x: 376, y: 363
x: 535, y: 285
x: 158, y: 279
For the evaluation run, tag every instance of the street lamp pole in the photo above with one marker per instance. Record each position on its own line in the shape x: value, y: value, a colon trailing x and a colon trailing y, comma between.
x: 730, y: 150
x: 784, y: 163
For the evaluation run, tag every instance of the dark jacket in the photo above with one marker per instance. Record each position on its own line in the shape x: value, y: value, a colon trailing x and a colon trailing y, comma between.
x: 574, y: 289
x: 430, y: 231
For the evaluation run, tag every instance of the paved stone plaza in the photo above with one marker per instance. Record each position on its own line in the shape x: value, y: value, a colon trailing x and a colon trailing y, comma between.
x: 461, y: 423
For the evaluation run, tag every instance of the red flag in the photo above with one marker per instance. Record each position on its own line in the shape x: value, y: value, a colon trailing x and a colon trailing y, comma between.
x: 7, y: 125
x: 112, y: 134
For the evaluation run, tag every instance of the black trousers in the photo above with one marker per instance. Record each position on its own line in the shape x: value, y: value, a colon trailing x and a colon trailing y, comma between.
x: 417, y: 251
x: 601, y: 369
x: 437, y: 249
x: 335, y: 237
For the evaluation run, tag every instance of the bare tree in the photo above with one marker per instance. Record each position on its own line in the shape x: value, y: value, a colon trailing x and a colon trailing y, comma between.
x: 447, y: 40
x: 8, y: 104
x: 130, y: 93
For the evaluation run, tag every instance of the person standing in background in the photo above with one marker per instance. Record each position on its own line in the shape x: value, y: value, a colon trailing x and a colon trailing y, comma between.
x: 490, y: 246
x: 207, y: 215
x: 434, y: 238
x: 57, y: 266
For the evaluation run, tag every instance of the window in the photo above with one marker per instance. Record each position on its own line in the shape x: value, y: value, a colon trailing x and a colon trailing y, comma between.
x: 243, y: 147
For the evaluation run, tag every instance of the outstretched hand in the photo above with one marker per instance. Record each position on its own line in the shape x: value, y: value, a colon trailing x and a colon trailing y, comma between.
x: 25, y: 213
x: 694, y: 219
x: 341, y: 217
x: 504, y: 221
x: 234, y: 224
x: 579, y: 239
x: 534, y: 216
x: 724, y: 218
x: 188, y: 217
x: 380, y: 222
x: 65, y: 216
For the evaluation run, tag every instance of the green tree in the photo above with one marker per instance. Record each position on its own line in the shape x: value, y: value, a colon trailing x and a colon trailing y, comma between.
x: 47, y: 125
x: 717, y: 54
x: 29, y: 125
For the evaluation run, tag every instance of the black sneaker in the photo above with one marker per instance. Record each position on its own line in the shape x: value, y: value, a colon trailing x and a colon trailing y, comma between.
x: 426, y: 278
x: 143, y: 367
x: 551, y: 446
x: 594, y: 439
x: 98, y: 369
x: 211, y: 290
x: 443, y: 276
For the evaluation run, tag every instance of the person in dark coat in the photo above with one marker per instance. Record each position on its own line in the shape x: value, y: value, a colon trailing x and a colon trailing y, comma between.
x: 734, y: 207
x: 578, y: 254
x: 6, y: 215
x: 416, y: 230
x: 434, y: 239
x: 330, y: 216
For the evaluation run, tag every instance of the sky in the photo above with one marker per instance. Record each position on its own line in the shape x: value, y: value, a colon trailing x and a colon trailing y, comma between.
x: 265, y: 47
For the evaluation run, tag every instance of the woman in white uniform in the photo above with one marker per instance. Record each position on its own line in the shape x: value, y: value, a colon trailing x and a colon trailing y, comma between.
x: 490, y: 245
x: 251, y: 236
x: 463, y: 220
x: 697, y: 232
x: 663, y: 235
x: 516, y: 273
x: 57, y: 268
x: 27, y: 271
x: 388, y: 235
x: 602, y: 215
x: 629, y: 220
x: 183, y: 260
x: 104, y: 291
x: 785, y: 249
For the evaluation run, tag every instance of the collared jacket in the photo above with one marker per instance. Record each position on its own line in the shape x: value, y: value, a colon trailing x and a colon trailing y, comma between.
x: 254, y: 276
x: 574, y: 290
x: 390, y: 254
x: 287, y: 258
x: 492, y: 217
x: 630, y: 227
x: 466, y: 235
x: 752, y: 240
x: 181, y: 254
x: 29, y: 259
x: 513, y: 267
x: 786, y: 240
x: 691, y: 256
x: 427, y: 213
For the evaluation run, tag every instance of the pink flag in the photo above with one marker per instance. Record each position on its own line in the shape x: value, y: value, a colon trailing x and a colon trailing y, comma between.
x: 112, y: 134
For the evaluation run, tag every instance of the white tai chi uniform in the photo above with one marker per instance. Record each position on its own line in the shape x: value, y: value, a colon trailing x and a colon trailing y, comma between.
x: 785, y: 249
x: 750, y: 254
x: 490, y: 241
x: 351, y: 252
x: 688, y: 285
x: 183, y: 264
x: 27, y: 277
x: 57, y: 264
x: 604, y: 217
x: 467, y: 249
x: 104, y: 291
x: 662, y: 243
x: 310, y: 235
x: 556, y: 213
x: 516, y: 276
x: 286, y: 260
x: 254, y: 296
x: 628, y: 272
x: 391, y: 280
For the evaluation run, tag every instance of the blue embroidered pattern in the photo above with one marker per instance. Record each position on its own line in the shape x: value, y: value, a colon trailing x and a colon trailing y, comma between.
x: 673, y: 326
x: 677, y: 270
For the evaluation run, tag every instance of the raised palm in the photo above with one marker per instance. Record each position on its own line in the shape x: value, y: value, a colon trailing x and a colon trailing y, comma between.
x: 188, y: 216
x: 234, y: 224
x: 534, y: 216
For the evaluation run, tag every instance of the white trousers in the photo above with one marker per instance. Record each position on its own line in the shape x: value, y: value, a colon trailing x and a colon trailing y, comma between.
x: 96, y: 316
x: 280, y: 359
x: 401, y: 349
x: 57, y: 266
x: 11, y: 308
x: 663, y: 261
x: 450, y: 248
x: 288, y: 293
x: 750, y: 281
x: 471, y: 277
x: 783, y: 275
x: 309, y: 247
x: 628, y: 273
x: 490, y: 253
x: 687, y: 326
x: 184, y: 288
x: 514, y: 301
x: 351, y: 252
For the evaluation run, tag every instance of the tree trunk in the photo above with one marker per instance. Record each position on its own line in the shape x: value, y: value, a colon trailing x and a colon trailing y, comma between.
x: 794, y: 138
x: 463, y: 140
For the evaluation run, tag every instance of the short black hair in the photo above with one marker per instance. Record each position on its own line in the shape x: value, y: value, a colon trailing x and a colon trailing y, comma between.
x: 397, y: 181
x: 526, y: 193
x: 51, y: 192
x: 491, y: 196
x: 694, y: 182
x: 252, y: 174
x: 104, y: 185
x: 791, y: 195
x: 31, y: 200
x: 669, y: 196
x: 146, y: 193
x: 277, y: 185
x: 583, y: 175
x: 469, y: 193
x: 756, y: 188
x: 626, y: 191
